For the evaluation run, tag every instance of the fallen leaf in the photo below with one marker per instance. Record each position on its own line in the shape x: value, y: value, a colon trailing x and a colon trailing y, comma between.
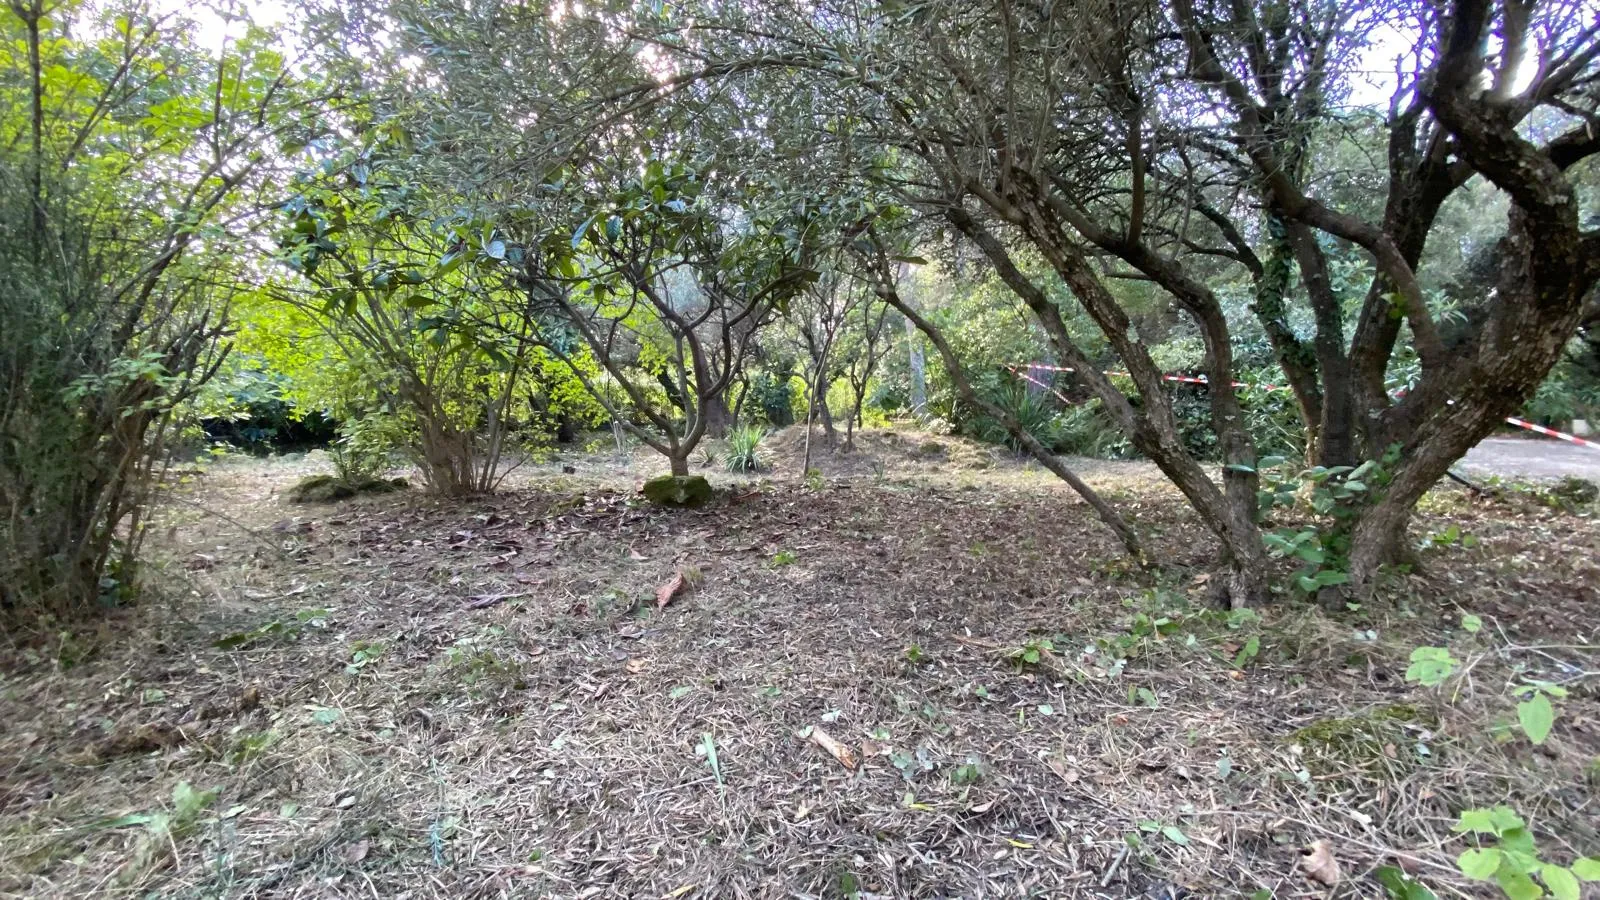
x: 840, y: 752
x: 982, y: 808
x: 357, y: 852
x: 679, y: 892
x: 666, y: 592
x: 636, y: 556
x: 1067, y: 773
x: 635, y: 666
x: 1319, y: 863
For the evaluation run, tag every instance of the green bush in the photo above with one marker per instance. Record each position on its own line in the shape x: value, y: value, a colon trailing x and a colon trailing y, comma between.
x: 88, y: 417
x: 740, y: 455
x: 1033, y: 410
x: 1084, y: 430
x: 773, y: 394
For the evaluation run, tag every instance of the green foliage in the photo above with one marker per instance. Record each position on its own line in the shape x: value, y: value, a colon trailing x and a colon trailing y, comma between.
x: 1513, y: 861
x: 1335, y: 497
x: 1031, y: 653
x: 1083, y: 429
x: 1431, y: 666
x: 1032, y: 410
x: 1536, y: 712
x: 276, y: 630
x: 739, y: 454
x: 773, y: 394
x: 1397, y: 885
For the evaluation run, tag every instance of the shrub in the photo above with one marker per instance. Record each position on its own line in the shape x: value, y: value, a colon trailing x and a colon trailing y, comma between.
x: 1032, y: 410
x: 92, y: 378
x: 740, y: 455
x: 1084, y: 430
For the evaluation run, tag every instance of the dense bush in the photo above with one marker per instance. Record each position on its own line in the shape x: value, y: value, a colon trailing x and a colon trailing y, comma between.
x: 92, y: 379
x: 773, y: 397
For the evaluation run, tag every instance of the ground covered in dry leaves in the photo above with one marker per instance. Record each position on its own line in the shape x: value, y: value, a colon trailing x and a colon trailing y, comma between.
x: 927, y: 673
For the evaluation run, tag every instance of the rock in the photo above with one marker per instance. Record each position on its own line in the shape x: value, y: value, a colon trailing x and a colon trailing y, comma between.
x: 329, y: 488
x: 677, y: 490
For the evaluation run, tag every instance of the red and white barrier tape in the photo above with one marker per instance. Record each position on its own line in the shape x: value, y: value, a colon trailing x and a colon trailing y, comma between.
x: 1201, y: 379
x: 1551, y: 432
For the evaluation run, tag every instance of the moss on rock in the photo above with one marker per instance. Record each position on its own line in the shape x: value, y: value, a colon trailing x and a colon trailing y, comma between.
x: 677, y: 490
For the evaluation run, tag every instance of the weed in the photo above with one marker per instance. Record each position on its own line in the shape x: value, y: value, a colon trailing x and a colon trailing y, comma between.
x: 1514, y: 859
x: 279, y: 629
x: 1031, y: 653
x: 362, y: 654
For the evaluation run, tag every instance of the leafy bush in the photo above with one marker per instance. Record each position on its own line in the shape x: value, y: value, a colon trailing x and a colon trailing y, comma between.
x: 363, y: 450
x: 93, y: 379
x: 1084, y: 430
x: 740, y: 455
x: 774, y: 395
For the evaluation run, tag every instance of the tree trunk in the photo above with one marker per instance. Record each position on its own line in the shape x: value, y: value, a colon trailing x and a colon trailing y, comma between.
x: 919, y: 372
x: 1108, y: 516
x: 718, y: 417
x: 679, y: 461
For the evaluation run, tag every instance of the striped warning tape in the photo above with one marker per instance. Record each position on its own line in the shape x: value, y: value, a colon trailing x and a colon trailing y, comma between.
x: 1551, y: 432
x: 1201, y: 379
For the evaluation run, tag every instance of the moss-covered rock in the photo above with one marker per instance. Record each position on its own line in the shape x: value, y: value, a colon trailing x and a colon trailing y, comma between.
x: 331, y: 488
x: 1571, y: 491
x: 677, y: 490
x: 1385, y: 736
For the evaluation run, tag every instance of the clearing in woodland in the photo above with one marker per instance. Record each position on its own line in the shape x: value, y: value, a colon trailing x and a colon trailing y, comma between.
x: 927, y: 670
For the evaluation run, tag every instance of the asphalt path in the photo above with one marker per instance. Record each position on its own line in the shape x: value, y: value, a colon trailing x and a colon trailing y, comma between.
x: 1531, y: 457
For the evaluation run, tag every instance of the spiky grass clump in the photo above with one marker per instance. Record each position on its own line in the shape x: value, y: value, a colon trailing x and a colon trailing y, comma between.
x: 740, y: 456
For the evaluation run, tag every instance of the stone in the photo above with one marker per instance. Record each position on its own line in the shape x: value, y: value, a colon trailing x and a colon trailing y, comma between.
x: 677, y: 490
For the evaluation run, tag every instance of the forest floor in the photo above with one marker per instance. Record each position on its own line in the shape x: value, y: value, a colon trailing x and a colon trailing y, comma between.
x: 927, y: 673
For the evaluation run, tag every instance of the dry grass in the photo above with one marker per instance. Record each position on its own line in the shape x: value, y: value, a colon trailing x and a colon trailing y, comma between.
x: 479, y: 698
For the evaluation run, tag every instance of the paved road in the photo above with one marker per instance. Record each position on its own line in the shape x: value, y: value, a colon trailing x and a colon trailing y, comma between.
x: 1534, y: 457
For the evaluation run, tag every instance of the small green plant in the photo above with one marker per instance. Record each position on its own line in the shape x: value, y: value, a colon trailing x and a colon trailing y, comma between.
x: 250, y: 746
x: 968, y: 773
x: 783, y: 558
x: 362, y: 654
x: 1431, y: 666
x: 914, y: 655
x: 1336, y: 497
x: 163, y: 828
x: 1031, y: 653
x: 1144, y: 697
x: 1535, y: 712
x: 1450, y: 536
x: 282, y: 629
x: 1171, y: 832
x: 708, y: 749
x: 1397, y: 885
x: 740, y: 456
x: 1513, y: 861
x: 814, y: 479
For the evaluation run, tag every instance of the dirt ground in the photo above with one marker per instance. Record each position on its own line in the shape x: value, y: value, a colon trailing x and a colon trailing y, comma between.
x: 925, y: 672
